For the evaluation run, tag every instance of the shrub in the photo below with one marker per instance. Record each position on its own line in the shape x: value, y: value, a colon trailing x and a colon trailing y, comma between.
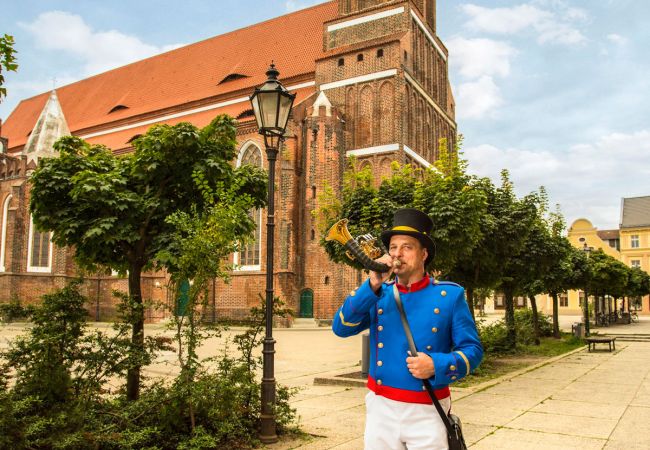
x: 13, y: 310
x: 59, y: 370
x: 494, y: 336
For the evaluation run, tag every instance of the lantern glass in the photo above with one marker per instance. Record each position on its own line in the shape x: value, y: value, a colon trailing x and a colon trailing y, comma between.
x: 272, y: 105
x: 286, y: 102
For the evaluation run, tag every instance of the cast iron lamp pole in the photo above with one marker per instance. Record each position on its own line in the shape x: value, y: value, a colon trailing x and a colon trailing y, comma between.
x: 272, y: 105
x: 587, y: 251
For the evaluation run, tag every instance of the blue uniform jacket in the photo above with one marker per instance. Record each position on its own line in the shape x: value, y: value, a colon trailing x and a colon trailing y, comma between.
x: 440, y: 322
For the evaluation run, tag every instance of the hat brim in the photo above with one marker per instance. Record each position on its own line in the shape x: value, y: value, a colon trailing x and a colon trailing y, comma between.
x: 423, y: 238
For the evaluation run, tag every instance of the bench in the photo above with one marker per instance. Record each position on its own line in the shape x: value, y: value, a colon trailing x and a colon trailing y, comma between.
x: 592, y: 341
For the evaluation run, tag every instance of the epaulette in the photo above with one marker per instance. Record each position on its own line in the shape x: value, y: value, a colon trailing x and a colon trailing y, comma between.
x: 447, y: 283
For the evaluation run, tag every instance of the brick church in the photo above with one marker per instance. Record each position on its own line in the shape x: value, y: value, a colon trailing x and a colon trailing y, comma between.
x: 371, y: 80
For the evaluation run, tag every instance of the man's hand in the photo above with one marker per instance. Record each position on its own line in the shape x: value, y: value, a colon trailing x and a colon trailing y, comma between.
x: 376, y: 278
x: 420, y: 366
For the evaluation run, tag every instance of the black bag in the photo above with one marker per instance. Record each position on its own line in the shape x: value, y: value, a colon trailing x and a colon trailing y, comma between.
x: 455, y: 438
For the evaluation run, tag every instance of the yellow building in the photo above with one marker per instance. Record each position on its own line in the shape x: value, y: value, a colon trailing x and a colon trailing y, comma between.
x: 629, y: 244
x: 635, y: 232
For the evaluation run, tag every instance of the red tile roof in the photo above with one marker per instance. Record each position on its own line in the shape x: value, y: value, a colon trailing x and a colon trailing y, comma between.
x: 120, y: 139
x: 186, y: 76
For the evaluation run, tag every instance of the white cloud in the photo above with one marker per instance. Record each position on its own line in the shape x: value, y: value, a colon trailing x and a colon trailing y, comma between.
x: 587, y: 180
x: 475, y: 58
x: 617, y: 39
x: 479, y: 61
x: 478, y: 99
x: 99, y: 50
x: 552, y: 26
x: 504, y: 20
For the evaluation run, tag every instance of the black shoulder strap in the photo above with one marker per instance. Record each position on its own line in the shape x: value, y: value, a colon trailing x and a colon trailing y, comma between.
x: 414, y: 352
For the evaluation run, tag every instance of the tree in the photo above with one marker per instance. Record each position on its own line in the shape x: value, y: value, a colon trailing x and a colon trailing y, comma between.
x: 514, y: 221
x: 638, y: 284
x: 447, y: 194
x: 456, y: 206
x: 115, y: 210
x: 204, y: 240
x: 608, y: 275
x: 478, y: 271
x: 7, y: 60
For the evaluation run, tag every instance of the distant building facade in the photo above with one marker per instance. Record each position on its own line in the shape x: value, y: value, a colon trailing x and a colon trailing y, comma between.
x: 371, y: 79
x: 629, y: 244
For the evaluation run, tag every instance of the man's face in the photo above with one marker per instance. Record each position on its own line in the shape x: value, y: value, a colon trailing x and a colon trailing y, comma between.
x: 411, y: 254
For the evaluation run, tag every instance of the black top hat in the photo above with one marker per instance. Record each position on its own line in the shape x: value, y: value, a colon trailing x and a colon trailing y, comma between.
x: 412, y: 222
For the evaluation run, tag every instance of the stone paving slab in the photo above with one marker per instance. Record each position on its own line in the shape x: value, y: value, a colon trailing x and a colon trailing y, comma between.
x: 554, y: 372
x: 509, y: 400
x: 569, y: 425
x: 615, y: 445
x: 474, y: 433
x: 574, y: 408
x: 599, y: 375
x: 508, y: 439
x: 595, y: 393
x: 634, y: 427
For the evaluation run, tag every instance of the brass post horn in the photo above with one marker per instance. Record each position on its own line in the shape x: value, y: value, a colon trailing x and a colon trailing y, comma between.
x: 363, y: 249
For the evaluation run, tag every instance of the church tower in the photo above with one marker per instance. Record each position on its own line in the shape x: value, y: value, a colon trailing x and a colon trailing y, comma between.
x: 384, y: 77
x: 386, y: 71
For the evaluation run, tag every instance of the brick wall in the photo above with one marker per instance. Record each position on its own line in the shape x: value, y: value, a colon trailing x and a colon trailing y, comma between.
x: 383, y: 111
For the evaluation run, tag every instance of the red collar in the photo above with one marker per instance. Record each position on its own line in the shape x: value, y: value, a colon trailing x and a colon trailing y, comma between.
x: 418, y: 285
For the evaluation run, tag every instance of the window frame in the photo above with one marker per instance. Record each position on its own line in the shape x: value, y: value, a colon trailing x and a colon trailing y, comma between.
x: 30, y: 266
x: 3, y: 234
x: 635, y: 241
x: 237, y: 255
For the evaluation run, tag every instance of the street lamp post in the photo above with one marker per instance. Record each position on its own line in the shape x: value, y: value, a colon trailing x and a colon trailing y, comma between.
x: 272, y: 105
x: 587, y: 251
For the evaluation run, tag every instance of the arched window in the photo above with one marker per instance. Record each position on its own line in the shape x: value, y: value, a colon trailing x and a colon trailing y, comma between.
x: 387, y: 112
x: 3, y: 236
x: 39, y: 255
x: 249, y: 256
x: 385, y: 170
x: 364, y: 130
x: 350, y: 116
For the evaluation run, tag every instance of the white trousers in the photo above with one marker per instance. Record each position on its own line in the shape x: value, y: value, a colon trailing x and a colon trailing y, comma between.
x: 393, y: 425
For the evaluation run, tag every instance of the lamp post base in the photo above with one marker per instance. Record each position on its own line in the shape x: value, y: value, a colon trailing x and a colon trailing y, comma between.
x: 268, y: 436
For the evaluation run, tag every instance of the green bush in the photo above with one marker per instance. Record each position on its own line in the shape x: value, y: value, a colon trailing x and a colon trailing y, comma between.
x: 52, y: 379
x: 13, y: 310
x: 494, y: 336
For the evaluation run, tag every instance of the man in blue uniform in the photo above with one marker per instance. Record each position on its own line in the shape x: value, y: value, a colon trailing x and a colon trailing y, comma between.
x: 399, y: 412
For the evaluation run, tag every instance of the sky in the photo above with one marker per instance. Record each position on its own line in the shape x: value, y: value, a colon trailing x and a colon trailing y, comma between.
x: 554, y: 91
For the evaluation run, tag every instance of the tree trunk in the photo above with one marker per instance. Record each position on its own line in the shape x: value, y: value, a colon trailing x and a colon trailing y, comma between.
x: 533, y: 306
x: 137, y: 334
x: 510, y: 318
x: 556, y: 318
x: 470, y: 301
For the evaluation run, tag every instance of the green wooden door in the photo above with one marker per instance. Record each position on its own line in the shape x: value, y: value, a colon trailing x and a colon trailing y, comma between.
x: 307, y: 303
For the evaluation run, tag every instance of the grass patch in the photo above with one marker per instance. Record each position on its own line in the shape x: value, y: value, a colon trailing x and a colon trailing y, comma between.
x: 497, y: 365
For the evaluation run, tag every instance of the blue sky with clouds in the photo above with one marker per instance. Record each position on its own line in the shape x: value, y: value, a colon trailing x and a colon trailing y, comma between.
x: 556, y: 91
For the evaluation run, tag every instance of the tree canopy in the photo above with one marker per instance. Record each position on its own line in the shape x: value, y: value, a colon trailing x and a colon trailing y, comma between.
x: 115, y: 211
x: 7, y: 60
